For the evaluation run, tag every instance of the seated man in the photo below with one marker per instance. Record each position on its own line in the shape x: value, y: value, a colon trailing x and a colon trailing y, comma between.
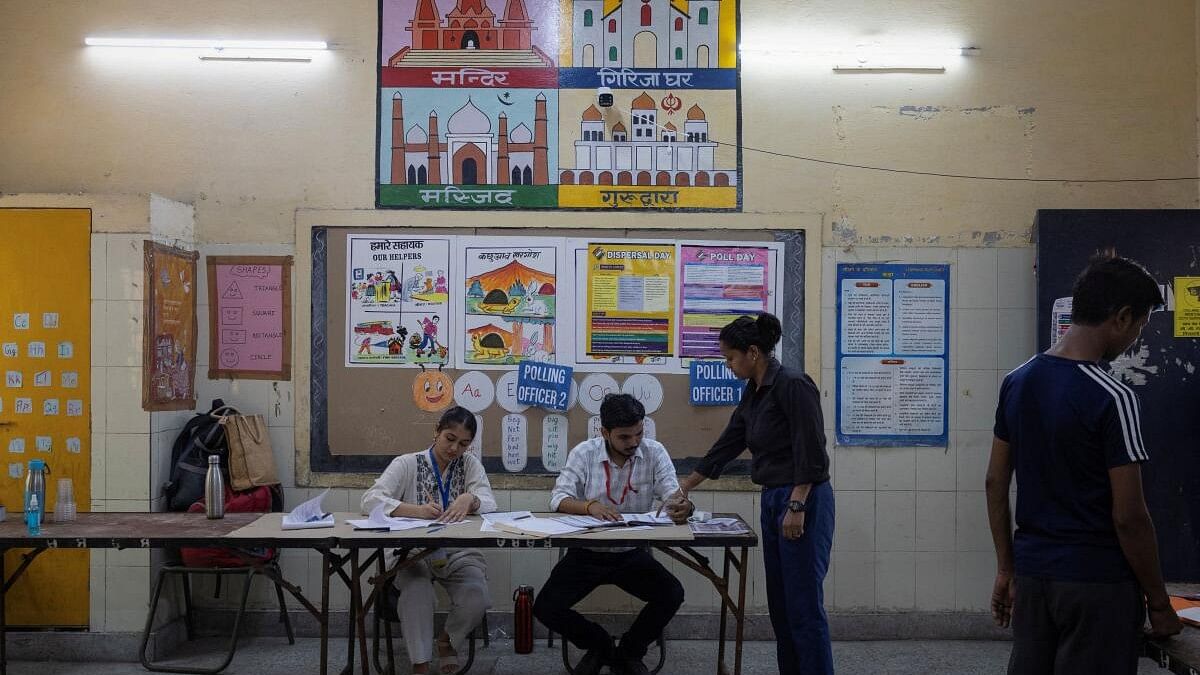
x: 620, y: 472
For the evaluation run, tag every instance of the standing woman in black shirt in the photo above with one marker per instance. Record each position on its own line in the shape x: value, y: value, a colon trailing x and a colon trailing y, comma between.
x: 779, y: 420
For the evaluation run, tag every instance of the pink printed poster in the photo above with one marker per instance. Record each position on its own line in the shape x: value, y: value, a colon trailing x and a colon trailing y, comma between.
x: 719, y: 284
x: 250, y: 317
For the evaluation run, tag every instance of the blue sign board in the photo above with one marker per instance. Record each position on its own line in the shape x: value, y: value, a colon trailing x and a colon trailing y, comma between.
x: 713, y: 383
x: 893, y: 370
x: 544, y: 385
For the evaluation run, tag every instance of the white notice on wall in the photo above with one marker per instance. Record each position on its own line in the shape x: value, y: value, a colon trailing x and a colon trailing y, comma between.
x: 892, y: 396
x: 866, y: 316
x: 646, y: 389
x: 73, y: 445
x: 506, y: 393
x: 43, y: 378
x: 36, y: 350
x: 49, y: 319
x: 13, y: 379
x: 16, y: 470
x: 21, y: 321
x: 920, y: 316
x: 74, y: 408
x: 474, y: 391
x: 70, y: 379
x: 514, y: 448
x: 23, y: 406
x: 554, y: 442
x: 476, y: 447
x: 16, y: 445
x: 66, y: 350
x: 11, y: 350
x: 43, y: 443
x: 649, y: 429
x: 594, y: 388
x: 50, y: 407
x: 593, y: 430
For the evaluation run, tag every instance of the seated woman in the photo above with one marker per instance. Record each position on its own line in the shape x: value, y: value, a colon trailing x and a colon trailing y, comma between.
x: 446, y: 483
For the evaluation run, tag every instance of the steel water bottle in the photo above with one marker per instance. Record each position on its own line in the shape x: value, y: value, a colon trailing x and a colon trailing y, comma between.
x: 523, y: 619
x: 214, y: 489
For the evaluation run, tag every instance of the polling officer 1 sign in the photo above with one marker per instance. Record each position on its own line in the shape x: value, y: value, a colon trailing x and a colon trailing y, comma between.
x: 713, y: 383
x: 544, y: 385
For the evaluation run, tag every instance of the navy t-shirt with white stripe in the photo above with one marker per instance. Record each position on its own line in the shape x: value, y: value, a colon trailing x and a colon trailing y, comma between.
x: 1067, y: 423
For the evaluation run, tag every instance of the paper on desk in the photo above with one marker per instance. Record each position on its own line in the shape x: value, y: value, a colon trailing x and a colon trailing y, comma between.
x: 505, y: 516
x: 647, y: 518
x: 378, y: 520
x: 719, y: 526
x: 308, y: 514
x: 1191, y: 613
x: 520, y: 523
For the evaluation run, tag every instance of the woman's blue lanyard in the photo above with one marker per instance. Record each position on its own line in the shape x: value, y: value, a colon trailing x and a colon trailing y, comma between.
x: 443, y: 488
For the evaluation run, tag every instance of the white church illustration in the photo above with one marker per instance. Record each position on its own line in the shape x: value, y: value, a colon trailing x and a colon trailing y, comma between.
x: 645, y: 33
x: 653, y: 155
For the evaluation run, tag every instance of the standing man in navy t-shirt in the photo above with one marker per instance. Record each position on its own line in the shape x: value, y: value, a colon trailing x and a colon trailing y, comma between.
x: 1076, y: 579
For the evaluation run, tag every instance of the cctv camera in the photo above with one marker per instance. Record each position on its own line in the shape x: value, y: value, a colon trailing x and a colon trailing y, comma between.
x: 604, y: 97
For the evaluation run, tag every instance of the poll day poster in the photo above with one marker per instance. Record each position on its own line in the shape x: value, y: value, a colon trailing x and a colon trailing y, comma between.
x: 718, y: 284
x: 493, y: 104
x: 630, y: 304
x: 398, y: 301
x: 893, y: 374
x: 511, y: 300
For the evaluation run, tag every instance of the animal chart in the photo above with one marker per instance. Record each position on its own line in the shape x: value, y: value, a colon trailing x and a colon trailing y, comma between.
x: 510, y: 301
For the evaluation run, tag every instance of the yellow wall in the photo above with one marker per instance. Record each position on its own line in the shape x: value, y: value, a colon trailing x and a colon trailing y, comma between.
x: 1082, y: 89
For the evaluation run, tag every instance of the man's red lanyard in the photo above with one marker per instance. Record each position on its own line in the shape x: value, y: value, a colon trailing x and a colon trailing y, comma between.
x: 628, y: 484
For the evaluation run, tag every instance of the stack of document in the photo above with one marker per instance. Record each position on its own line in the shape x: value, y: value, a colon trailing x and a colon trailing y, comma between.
x: 308, y: 515
x: 379, y: 521
x: 627, y: 520
x: 524, y: 522
x: 720, y: 526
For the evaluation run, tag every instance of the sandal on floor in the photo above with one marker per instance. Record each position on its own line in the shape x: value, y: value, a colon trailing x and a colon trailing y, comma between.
x: 447, y: 663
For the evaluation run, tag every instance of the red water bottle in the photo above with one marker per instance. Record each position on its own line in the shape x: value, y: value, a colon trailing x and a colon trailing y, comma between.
x: 523, y: 619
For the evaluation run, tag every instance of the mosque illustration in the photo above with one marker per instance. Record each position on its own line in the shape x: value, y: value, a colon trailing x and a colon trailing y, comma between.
x: 471, y: 35
x: 653, y: 156
x: 470, y: 153
x: 645, y: 33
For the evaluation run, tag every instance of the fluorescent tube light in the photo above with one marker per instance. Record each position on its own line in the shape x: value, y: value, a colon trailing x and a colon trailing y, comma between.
x: 162, y: 43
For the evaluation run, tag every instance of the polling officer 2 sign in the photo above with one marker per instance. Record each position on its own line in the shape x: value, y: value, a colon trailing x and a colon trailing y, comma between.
x: 713, y: 383
x: 543, y: 385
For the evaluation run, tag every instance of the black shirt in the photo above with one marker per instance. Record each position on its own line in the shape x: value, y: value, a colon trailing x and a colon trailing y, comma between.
x: 781, y: 423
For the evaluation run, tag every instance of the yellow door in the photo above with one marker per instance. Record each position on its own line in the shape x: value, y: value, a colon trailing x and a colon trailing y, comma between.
x: 45, y: 406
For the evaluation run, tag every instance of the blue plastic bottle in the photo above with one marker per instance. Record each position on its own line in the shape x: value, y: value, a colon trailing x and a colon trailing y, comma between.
x: 33, y: 516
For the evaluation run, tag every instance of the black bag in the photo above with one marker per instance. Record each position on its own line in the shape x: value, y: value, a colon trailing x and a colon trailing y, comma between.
x: 202, y: 436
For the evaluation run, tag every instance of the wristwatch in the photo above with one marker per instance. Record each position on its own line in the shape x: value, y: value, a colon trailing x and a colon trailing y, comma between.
x: 797, y: 506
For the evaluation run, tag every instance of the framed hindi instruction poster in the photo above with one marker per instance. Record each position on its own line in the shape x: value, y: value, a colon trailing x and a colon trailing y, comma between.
x: 169, y: 351
x: 249, y: 311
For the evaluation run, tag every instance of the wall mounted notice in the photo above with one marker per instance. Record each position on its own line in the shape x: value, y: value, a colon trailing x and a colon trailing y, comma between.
x: 1187, y: 307
x: 892, y: 354
x: 249, y: 310
x: 718, y: 284
x: 713, y: 383
x: 544, y: 385
x: 398, y: 301
x: 630, y: 299
x: 169, y: 328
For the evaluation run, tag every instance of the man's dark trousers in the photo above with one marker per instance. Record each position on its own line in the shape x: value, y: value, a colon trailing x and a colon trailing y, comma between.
x: 636, y: 572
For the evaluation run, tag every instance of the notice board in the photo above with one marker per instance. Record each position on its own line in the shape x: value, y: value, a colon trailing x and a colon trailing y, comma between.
x: 363, y: 416
x: 250, y: 312
x: 1160, y: 367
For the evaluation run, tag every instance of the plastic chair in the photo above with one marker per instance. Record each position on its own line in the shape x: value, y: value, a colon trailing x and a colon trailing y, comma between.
x: 269, y: 569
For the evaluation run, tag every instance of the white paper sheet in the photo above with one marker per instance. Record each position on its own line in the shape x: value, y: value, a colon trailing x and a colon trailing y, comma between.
x: 308, y: 514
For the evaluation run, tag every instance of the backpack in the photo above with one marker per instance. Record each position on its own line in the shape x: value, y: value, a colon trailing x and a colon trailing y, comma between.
x: 203, y: 435
x: 259, y: 499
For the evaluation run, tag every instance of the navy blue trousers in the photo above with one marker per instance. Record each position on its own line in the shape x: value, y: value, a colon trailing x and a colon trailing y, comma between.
x: 795, y: 570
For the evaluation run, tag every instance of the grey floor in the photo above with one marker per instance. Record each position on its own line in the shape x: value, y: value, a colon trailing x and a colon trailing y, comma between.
x: 273, y: 656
